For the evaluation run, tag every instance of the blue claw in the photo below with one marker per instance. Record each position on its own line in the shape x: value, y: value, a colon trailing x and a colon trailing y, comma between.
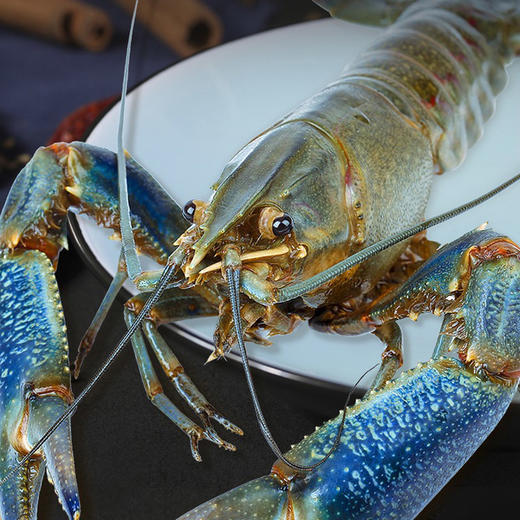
x: 263, y: 498
x: 34, y: 386
x: 57, y: 450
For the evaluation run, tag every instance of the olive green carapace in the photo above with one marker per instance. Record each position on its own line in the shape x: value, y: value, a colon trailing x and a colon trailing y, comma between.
x: 354, y: 163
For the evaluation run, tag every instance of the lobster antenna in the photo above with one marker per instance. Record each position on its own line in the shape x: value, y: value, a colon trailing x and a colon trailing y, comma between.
x: 295, y: 290
x: 152, y: 300
x: 128, y: 251
x: 133, y: 265
x: 233, y: 278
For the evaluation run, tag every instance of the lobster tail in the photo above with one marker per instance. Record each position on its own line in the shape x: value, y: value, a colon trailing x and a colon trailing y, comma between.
x: 502, y: 18
x: 376, y: 12
x: 57, y: 450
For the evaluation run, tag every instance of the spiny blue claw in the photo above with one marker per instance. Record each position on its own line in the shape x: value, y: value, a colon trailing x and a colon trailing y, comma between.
x: 34, y: 385
x: 57, y: 450
x: 19, y: 495
x: 264, y: 498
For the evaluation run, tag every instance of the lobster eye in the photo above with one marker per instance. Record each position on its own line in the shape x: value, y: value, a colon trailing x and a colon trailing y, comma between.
x: 282, y: 225
x: 188, y: 212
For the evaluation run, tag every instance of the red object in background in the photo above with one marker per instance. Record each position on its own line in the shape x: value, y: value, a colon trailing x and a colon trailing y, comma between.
x: 75, y: 125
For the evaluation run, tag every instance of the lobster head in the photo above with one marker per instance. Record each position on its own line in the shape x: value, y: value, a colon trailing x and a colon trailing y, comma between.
x: 278, y: 213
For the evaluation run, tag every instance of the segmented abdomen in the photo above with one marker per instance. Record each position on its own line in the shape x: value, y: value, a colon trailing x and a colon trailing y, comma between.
x: 441, y: 64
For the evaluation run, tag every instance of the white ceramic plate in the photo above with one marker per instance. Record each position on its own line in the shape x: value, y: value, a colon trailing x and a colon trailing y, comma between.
x: 185, y: 123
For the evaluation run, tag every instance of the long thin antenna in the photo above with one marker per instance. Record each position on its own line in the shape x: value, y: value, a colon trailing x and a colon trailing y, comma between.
x: 292, y: 291
x: 233, y: 277
x: 161, y: 286
x: 133, y: 265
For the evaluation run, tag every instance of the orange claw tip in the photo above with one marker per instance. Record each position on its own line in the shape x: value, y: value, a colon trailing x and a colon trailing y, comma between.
x: 13, y: 240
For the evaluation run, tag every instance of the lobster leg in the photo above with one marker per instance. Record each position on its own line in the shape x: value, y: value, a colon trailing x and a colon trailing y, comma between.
x: 183, y: 384
x: 97, y: 321
x: 392, y: 357
x: 444, y: 343
x: 175, y: 304
x: 438, y: 286
x: 145, y: 282
x: 156, y: 395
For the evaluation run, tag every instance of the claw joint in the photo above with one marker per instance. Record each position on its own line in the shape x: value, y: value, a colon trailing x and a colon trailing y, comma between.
x: 19, y: 439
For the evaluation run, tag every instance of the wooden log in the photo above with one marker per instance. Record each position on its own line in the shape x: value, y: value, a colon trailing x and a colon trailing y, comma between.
x: 65, y: 21
x: 186, y: 26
